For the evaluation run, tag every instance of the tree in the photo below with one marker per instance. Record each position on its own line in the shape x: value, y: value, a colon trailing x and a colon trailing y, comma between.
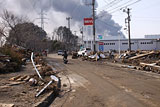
x: 29, y: 36
x: 66, y: 37
x: 9, y: 20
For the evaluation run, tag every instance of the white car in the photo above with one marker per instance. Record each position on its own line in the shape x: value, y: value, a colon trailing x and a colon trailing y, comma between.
x: 60, y: 52
x: 84, y: 51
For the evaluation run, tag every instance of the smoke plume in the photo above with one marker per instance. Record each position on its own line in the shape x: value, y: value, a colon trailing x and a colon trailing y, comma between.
x: 56, y: 12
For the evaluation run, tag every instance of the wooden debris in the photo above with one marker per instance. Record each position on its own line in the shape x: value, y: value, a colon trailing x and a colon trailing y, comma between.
x: 14, y: 83
x: 141, y: 55
x: 27, y: 78
x: 153, y: 67
x: 22, y: 78
x: 15, y: 78
x: 6, y: 105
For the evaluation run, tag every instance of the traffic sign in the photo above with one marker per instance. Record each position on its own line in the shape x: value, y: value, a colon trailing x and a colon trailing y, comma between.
x: 88, y: 21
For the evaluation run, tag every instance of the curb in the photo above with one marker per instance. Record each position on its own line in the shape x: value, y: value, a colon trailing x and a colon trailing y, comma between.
x: 49, y: 98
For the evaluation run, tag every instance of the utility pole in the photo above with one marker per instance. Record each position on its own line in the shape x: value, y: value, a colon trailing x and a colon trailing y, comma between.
x: 42, y: 19
x: 128, y: 19
x: 68, y: 19
x: 94, y: 31
x: 81, y: 31
x: 75, y: 33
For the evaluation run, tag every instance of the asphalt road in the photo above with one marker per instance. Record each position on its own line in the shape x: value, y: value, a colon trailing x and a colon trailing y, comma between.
x: 101, y: 84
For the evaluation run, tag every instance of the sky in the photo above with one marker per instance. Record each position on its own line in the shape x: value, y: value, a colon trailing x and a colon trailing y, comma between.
x: 145, y: 17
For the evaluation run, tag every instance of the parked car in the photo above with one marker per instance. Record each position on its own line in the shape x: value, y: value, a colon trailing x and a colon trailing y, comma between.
x: 84, y: 51
x: 60, y: 52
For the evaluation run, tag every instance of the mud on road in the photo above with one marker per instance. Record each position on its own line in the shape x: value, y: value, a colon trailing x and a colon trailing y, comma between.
x: 101, y: 84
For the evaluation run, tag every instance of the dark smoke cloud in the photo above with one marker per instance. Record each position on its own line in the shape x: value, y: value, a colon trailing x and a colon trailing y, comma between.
x: 60, y: 9
x: 104, y: 22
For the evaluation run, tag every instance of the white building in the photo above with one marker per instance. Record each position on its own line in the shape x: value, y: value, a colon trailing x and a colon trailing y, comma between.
x: 152, y: 36
x: 122, y: 44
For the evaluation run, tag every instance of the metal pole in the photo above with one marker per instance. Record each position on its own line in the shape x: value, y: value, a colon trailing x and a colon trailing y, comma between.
x: 82, y: 36
x: 119, y: 45
x: 68, y: 18
x: 94, y: 44
x: 129, y: 36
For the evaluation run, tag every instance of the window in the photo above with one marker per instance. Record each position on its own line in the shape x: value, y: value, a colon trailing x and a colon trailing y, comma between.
x: 146, y: 42
x: 125, y: 43
x: 109, y: 43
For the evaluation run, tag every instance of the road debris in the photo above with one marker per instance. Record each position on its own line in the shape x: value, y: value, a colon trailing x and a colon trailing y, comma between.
x: 6, y: 105
x: 144, y: 60
x: 35, y: 67
x: 53, y: 78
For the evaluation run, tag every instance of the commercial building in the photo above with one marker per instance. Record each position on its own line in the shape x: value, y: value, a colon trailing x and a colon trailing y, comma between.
x: 122, y: 44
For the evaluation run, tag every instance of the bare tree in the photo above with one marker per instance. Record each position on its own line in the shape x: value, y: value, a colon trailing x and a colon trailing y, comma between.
x: 9, y: 21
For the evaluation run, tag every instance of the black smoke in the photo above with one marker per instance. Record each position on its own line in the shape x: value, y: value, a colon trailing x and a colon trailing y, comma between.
x: 77, y: 9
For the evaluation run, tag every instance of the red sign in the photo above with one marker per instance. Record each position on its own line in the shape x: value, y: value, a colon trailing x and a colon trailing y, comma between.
x: 101, y: 43
x: 88, y: 21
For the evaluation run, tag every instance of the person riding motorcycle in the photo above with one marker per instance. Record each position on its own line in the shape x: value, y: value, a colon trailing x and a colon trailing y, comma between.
x: 65, y: 55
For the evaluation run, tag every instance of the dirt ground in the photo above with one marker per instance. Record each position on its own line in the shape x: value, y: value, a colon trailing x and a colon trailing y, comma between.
x: 19, y: 93
x: 87, y: 84
x: 104, y: 84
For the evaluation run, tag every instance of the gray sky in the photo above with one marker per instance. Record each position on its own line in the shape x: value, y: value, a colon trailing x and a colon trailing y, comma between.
x: 56, y: 12
x: 145, y: 14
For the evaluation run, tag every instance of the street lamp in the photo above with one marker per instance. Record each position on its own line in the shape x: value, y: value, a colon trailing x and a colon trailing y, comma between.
x: 119, y: 43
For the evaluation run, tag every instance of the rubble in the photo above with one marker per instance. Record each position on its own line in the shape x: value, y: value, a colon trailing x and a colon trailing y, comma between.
x: 146, y: 60
x: 17, y: 60
x: 74, y: 55
x: 140, y: 60
x: 6, y: 105
x: 12, y: 58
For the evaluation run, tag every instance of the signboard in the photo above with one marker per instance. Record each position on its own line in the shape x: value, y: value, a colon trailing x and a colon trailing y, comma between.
x: 101, y: 46
x: 88, y: 21
x: 101, y: 43
x: 100, y: 37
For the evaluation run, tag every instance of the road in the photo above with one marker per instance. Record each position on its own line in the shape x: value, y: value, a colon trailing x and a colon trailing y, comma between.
x: 102, y: 84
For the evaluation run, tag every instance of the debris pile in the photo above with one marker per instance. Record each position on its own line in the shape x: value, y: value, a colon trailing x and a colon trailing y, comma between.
x: 12, y: 58
x: 94, y: 56
x: 46, y: 75
x: 47, y: 81
x: 74, y: 55
x: 26, y: 85
x: 146, y: 60
x: 141, y: 60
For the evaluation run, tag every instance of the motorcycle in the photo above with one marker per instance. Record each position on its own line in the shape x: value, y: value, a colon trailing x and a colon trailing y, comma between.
x: 65, y: 60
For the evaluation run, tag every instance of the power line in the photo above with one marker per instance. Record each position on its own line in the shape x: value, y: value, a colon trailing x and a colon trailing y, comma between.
x: 119, y: 6
x: 114, y: 4
x: 105, y: 1
x: 108, y: 4
x: 125, y: 6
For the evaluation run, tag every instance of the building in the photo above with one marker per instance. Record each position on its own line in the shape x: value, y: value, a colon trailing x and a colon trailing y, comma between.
x: 152, y: 36
x: 122, y: 44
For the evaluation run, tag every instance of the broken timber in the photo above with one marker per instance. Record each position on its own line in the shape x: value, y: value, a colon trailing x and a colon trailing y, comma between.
x: 142, y: 55
x: 153, y: 66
